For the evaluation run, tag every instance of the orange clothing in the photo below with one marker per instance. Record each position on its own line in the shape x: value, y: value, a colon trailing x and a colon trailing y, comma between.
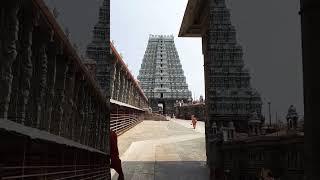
x: 194, y: 122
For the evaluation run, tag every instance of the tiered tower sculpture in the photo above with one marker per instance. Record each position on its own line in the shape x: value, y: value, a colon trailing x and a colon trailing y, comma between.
x: 161, y: 76
x: 99, y: 49
x: 231, y: 97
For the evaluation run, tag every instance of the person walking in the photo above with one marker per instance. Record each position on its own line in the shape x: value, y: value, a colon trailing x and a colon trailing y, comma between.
x: 194, y: 121
x: 114, y: 153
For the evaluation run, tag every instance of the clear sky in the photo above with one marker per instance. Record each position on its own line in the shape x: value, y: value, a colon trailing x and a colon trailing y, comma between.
x: 133, y: 21
x: 269, y: 32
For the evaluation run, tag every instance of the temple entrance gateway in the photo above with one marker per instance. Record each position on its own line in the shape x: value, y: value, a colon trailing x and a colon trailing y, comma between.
x: 166, y: 105
x: 161, y: 75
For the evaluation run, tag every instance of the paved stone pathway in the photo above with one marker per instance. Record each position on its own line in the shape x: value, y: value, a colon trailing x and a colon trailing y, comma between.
x: 163, y: 150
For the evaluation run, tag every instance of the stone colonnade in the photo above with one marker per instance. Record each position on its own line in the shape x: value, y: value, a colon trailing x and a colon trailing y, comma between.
x: 124, y: 87
x: 43, y: 83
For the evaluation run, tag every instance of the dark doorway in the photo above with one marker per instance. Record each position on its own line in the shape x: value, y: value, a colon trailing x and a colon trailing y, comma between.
x: 162, y: 108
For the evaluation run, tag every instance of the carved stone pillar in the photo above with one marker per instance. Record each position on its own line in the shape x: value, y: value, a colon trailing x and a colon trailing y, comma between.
x: 40, y: 101
x: 51, y: 75
x: 39, y: 79
x: 125, y: 89
x: 123, y: 92
x: 59, y: 94
x: 26, y: 65
x: 120, y: 86
x: 105, y: 127
x: 8, y: 49
x: 130, y: 93
x: 80, y: 109
x: 99, y: 138
x: 88, y: 119
x: 75, y: 108
x: 91, y: 123
x: 118, y: 83
x: 122, y: 77
x: 113, y: 78
x: 69, y: 103
x: 84, y: 121
x: 41, y: 87
x: 115, y: 82
x: 135, y: 94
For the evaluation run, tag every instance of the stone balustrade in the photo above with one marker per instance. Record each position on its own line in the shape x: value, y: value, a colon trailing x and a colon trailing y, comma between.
x: 43, y: 84
x: 124, y: 87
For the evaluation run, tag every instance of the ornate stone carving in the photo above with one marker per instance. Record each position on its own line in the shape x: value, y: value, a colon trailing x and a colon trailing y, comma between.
x: 99, y: 49
x: 69, y: 103
x: 161, y: 75
x: 51, y: 75
x: 91, y: 126
x: 105, y: 129
x: 59, y: 95
x: 84, y: 116
x: 225, y: 76
x: 92, y: 123
x: 79, y: 106
x: 125, y: 84
x: 113, y: 82
x: 40, y: 100
x: 118, y: 81
x: 121, y: 89
x: 8, y: 54
x: 75, y: 106
x: 26, y: 65
x: 98, y: 118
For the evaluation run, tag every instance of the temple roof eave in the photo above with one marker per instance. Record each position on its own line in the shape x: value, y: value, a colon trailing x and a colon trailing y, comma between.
x: 193, y: 20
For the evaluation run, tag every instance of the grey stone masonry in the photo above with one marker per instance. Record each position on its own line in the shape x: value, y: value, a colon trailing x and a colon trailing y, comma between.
x: 161, y: 76
x: 99, y: 49
x: 230, y: 96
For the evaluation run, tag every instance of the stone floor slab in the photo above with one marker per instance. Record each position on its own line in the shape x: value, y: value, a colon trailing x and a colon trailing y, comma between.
x: 163, y: 150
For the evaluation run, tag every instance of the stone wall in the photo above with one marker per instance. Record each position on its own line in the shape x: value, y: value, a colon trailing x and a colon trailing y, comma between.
x: 154, y: 117
x: 249, y: 159
x: 185, y: 111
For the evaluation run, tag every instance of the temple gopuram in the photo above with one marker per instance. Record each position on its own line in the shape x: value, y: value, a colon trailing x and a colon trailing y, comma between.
x: 161, y: 75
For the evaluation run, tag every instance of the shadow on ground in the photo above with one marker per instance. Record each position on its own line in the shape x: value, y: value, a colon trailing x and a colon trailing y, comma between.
x: 165, y: 170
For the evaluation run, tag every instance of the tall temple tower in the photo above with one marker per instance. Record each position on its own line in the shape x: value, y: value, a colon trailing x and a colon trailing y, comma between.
x: 99, y: 49
x: 161, y: 75
x: 232, y: 99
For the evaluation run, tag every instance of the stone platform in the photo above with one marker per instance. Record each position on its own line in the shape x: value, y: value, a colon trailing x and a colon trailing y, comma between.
x: 168, y: 150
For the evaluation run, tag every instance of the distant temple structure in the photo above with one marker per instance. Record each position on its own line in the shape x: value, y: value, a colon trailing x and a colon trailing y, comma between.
x: 161, y: 75
x: 99, y: 49
x: 232, y: 98
x: 237, y: 144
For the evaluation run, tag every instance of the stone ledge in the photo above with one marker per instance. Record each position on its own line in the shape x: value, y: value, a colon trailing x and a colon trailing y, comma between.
x: 34, y: 134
